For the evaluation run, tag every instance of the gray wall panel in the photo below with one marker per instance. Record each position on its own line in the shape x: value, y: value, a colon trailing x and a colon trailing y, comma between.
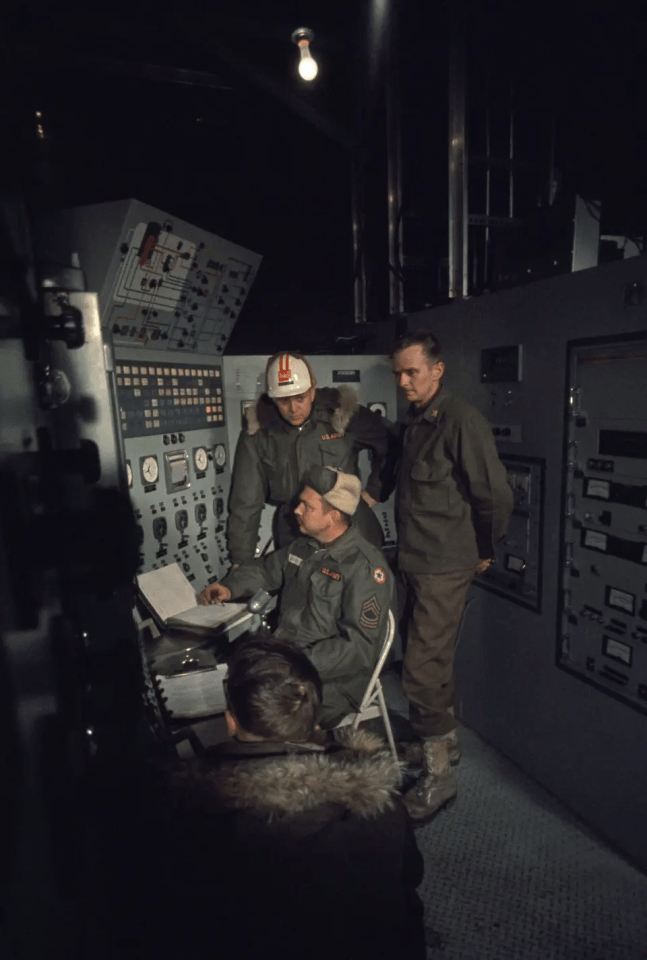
x: 580, y: 743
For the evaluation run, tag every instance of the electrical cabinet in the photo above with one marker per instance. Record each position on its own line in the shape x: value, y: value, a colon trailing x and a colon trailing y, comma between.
x: 603, y: 590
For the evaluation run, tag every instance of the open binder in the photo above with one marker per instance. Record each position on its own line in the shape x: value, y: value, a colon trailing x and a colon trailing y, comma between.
x: 172, y: 600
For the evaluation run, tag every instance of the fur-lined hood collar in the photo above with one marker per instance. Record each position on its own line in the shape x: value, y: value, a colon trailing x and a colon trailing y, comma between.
x: 362, y: 777
x: 336, y: 406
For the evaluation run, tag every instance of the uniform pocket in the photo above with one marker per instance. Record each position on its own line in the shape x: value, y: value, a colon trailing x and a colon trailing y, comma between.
x: 324, y: 587
x: 274, y: 475
x: 334, y: 453
x: 429, y: 487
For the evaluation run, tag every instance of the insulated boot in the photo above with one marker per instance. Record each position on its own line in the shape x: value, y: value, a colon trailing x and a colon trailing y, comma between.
x: 436, y: 785
x: 455, y: 751
x: 412, y: 751
x: 454, y: 747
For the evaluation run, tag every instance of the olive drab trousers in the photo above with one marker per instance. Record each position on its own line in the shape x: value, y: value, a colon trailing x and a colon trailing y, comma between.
x: 437, y: 602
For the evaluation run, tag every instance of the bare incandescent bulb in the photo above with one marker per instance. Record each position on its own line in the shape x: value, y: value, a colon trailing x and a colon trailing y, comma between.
x: 307, y: 64
x: 308, y: 68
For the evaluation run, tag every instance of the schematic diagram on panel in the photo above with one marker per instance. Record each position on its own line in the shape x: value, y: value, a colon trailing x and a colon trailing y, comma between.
x: 173, y: 293
x: 602, y: 630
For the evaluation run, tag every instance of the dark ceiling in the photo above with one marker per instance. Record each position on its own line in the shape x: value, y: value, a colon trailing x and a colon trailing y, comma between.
x: 197, y: 109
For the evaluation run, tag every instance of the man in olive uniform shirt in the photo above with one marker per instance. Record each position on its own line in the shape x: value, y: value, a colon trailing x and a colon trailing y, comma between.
x: 292, y: 427
x: 453, y: 506
x: 336, y: 590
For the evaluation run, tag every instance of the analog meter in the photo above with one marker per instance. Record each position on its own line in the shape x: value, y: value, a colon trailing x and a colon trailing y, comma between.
x: 129, y: 473
x: 220, y: 455
x: 150, y: 469
x: 200, y: 459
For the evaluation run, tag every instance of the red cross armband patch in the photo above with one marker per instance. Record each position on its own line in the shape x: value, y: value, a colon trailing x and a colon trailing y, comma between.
x: 379, y: 575
x: 370, y: 615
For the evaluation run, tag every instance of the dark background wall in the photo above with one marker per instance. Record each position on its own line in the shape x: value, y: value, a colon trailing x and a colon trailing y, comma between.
x: 200, y: 112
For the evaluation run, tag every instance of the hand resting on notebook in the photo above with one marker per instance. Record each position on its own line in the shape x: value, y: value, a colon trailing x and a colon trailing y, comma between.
x: 214, y: 593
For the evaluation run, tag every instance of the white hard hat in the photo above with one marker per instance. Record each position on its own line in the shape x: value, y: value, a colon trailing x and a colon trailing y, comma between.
x: 287, y: 377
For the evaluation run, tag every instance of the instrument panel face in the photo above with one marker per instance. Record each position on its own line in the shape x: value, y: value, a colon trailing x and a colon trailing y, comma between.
x: 168, y: 398
x: 603, y: 587
x: 164, y: 285
x: 516, y: 571
x: 179, y: 476
x: 173, y: 292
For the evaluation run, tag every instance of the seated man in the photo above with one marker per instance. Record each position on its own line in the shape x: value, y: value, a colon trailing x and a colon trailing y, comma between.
x: 274, y: 846
x: 337, y: 589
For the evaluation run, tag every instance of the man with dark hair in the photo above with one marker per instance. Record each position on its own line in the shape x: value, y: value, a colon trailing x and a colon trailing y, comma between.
x: 292, y: 427
x: 453, y: 506
x: 275, y: 846
x: 273, y: 692
x: 336, y: 590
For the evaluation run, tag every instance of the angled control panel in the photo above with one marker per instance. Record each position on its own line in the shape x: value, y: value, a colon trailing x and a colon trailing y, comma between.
x: 169, y: 296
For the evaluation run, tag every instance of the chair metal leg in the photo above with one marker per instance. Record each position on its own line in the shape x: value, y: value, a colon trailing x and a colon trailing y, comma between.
x: 387, y: 722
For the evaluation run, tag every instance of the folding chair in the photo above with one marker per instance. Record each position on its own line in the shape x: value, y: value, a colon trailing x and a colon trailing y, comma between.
x: 373, y: 704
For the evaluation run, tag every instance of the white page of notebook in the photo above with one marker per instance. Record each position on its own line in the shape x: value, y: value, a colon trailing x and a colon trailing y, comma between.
x: 167, y: 591
x: 209, y: 616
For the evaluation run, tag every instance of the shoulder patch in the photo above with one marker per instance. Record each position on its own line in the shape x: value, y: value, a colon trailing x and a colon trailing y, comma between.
x: 379, y: 575
x: 370, y: 615
x: 333, y: 574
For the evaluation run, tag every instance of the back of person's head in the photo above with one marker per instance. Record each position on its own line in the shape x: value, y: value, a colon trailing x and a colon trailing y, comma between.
x: 273, y: 690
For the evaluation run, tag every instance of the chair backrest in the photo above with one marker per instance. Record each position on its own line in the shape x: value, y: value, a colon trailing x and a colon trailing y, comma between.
x: 386, y: 647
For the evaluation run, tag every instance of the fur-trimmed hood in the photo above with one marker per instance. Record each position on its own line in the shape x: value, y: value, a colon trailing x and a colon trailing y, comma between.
x: 360, y: 775
x: 335, y: 406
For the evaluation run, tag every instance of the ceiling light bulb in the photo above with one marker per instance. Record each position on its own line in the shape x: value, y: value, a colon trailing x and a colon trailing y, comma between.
x: 308, y: 68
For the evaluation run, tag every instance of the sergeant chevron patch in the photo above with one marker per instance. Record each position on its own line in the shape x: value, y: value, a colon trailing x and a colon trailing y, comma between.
x: 370, y: 615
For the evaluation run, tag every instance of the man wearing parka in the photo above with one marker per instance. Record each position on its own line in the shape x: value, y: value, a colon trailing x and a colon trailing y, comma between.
x: 278, y: 846
x: 291, y: 428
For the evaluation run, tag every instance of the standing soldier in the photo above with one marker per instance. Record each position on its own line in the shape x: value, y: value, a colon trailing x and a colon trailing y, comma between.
x: 291, y: 428
x: 453, y: 506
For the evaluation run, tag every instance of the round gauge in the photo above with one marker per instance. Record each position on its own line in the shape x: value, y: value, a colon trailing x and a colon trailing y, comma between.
x: 200, y: 459
x: 220, y: 455
x: 129, y: 473
x: 150, y: 469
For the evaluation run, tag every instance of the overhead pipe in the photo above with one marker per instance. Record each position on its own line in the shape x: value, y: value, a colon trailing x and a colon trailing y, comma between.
x: 394, y: 169
x: 458, y: 205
